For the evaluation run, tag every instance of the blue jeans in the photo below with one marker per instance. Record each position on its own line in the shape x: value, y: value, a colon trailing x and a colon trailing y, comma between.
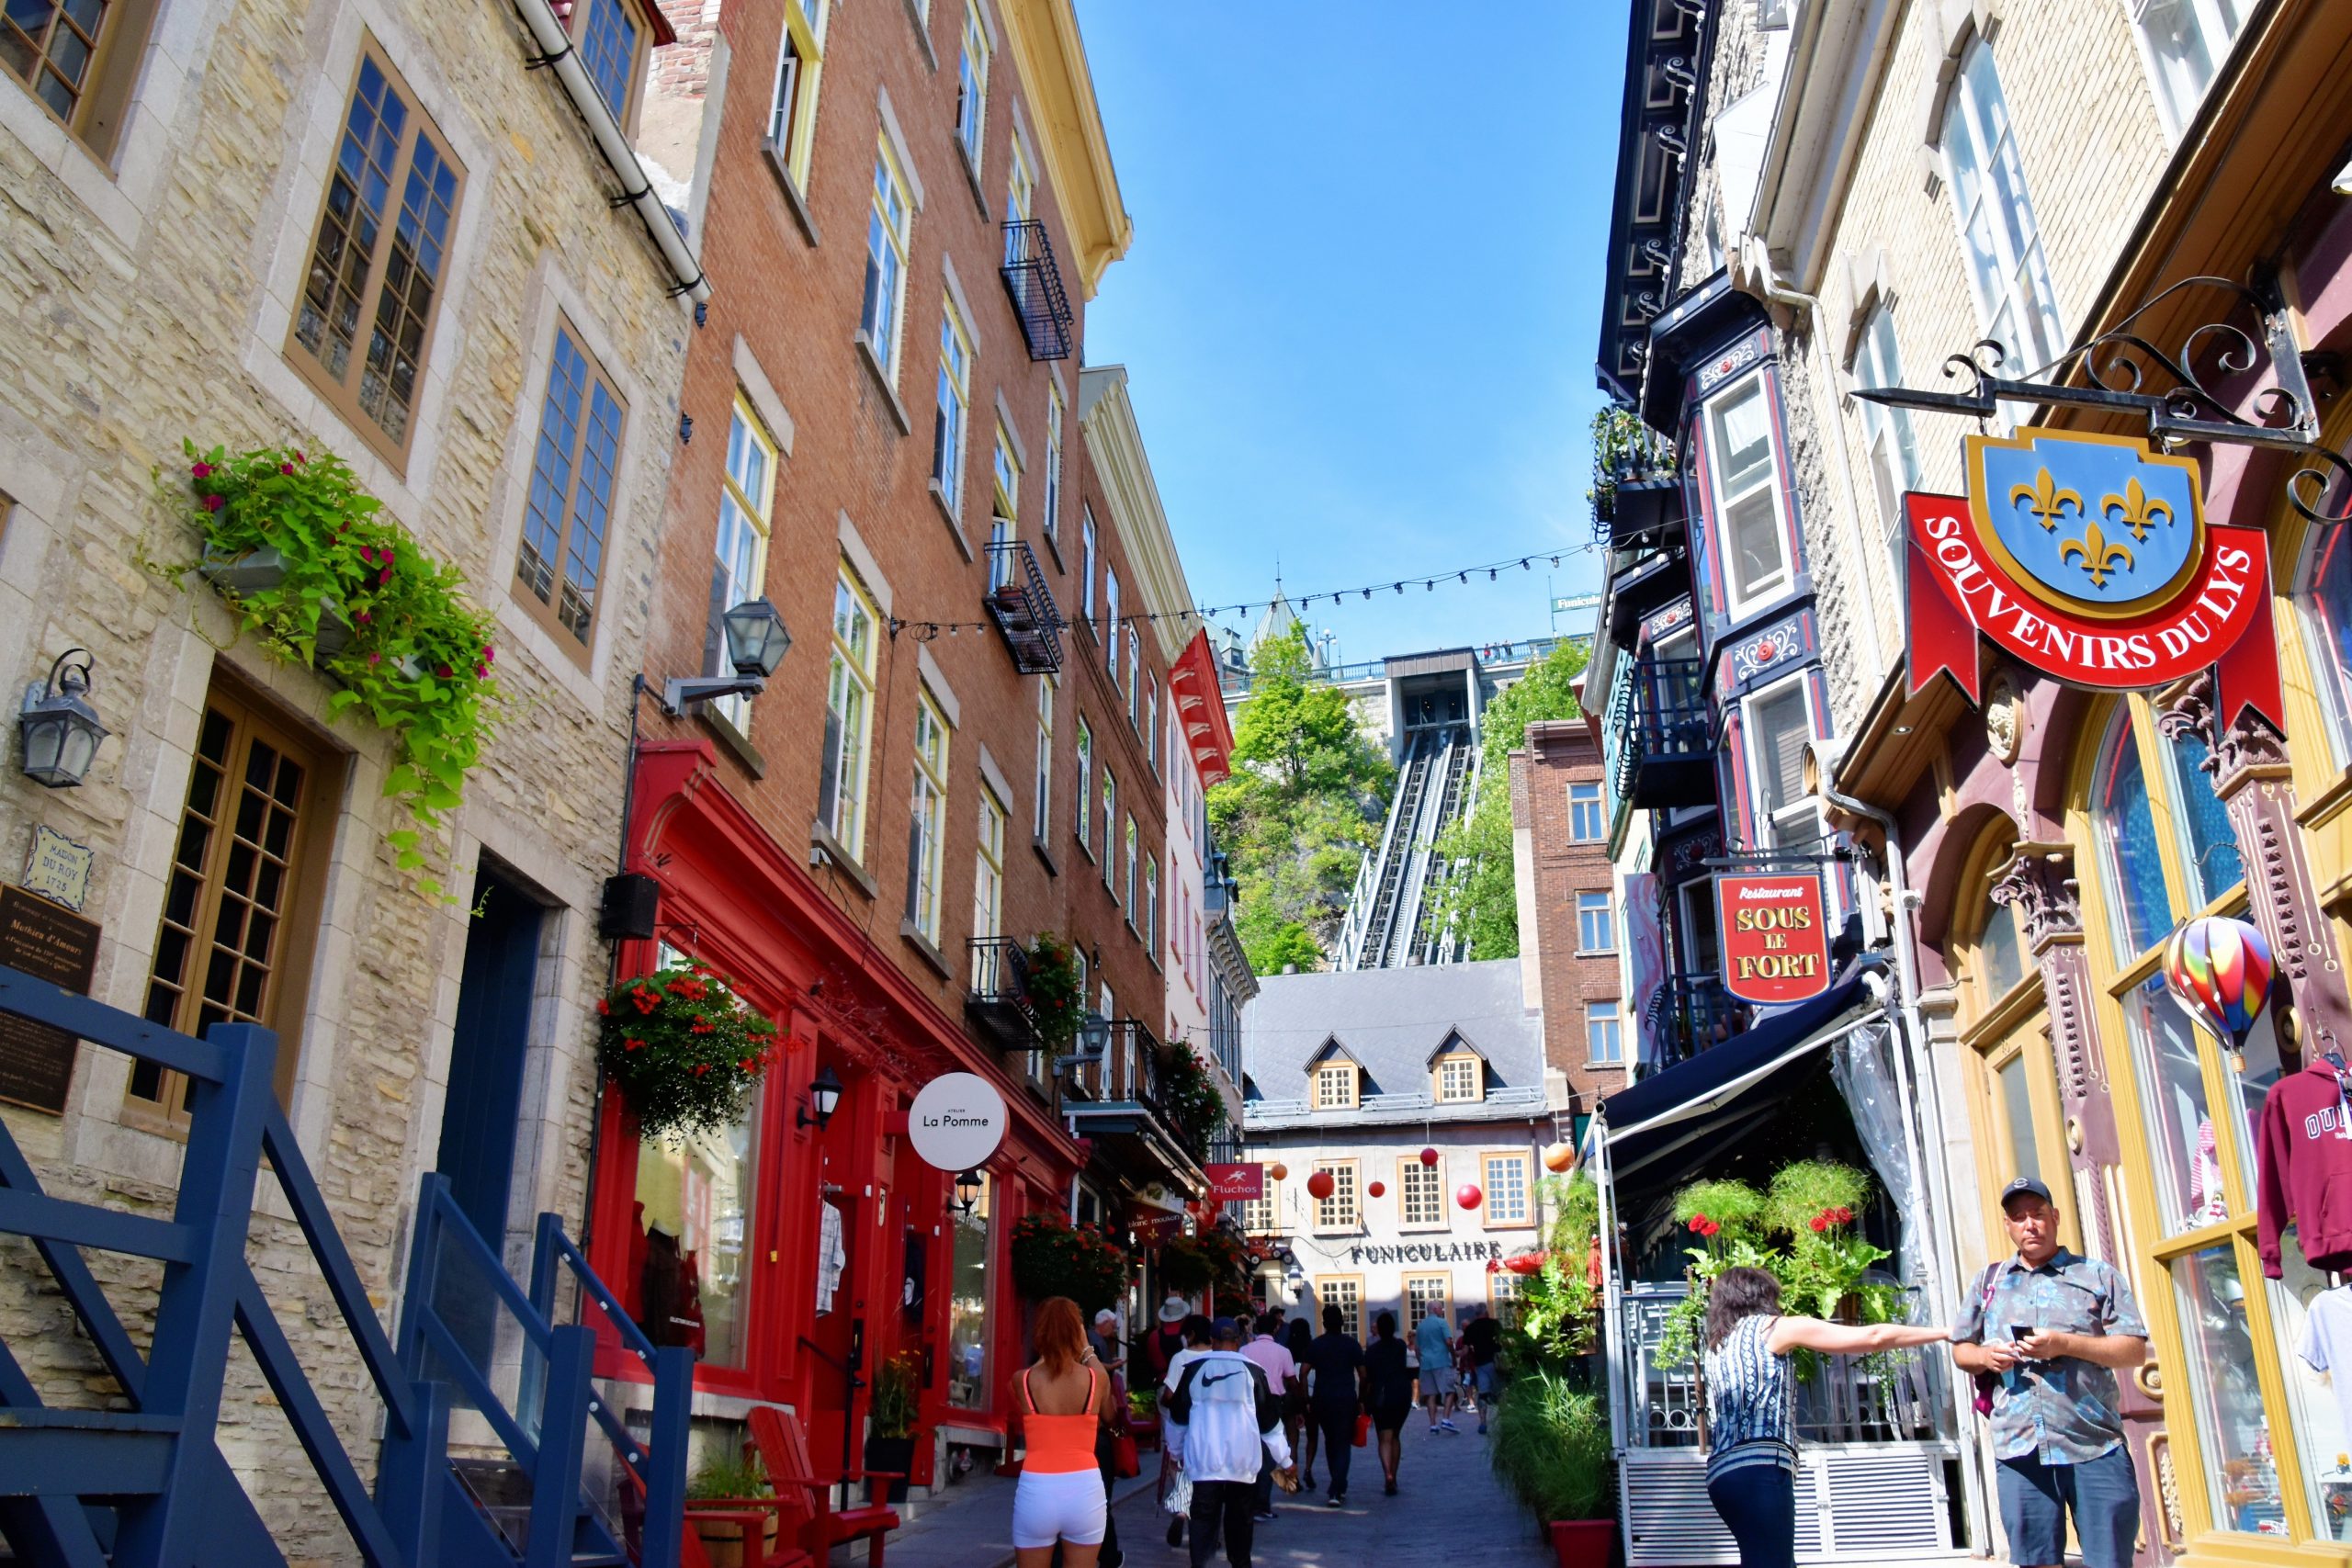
x: 2102, y: 1494
x: 1759, y: 1505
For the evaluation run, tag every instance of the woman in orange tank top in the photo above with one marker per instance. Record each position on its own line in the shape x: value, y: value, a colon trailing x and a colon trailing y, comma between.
x: 1061, y: 1402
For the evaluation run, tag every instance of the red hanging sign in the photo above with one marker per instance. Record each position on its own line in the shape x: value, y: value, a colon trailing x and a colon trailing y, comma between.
x: 2088, y: 558
x: 1236, y: 1183
x: 1775, y: 936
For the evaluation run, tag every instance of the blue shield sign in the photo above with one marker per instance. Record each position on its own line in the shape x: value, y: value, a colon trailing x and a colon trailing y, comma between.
x: 2098, y: 525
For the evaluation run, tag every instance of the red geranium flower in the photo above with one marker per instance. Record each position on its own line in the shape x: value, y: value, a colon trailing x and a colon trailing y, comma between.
x: 628, y: 1044
x: 701, y: 1025
x: 201, y: 470
x: 701, y: 1067
x: 215, y: 503
x: 603, y: 1007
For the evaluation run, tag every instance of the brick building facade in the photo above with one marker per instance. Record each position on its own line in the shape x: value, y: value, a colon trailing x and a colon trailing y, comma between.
x: 1569, y: 931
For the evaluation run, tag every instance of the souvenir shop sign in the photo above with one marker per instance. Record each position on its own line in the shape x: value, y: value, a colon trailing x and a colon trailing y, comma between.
x: 1236, y: 1183
x: 1775, y: 936
x: 2088, y: 558
x: 956, y: 1122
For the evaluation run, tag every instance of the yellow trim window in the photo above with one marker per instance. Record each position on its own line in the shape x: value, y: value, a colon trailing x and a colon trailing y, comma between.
x: 1054, y: 465
x: 1461, y: 1079
x: 1506, y: 1186
x: 1042, y: 816
x: 927, y: 820
x: 1110, y: 832
x: 955, y: 401
x: 1133, y: 849
x: 988, y: 869
x: 1340, y: 1211
x: 1020, y: 192
x: 1004, y: 511
x: 1420, y: 1194
x: 1260, y: 1215
x: 372, y: 291
x: 1150, y: 905
x: 1346, y: 1292
x: 1085, y: 813
x: 1335, y: 1086
x: 792, y: 111
x: 740, y: 571
x: 972, y: 87
x: 888, y: 221
x: 1425, y: 1292
x: 849, y: 716
x: 1503, y: 1302
x: 568, y: 513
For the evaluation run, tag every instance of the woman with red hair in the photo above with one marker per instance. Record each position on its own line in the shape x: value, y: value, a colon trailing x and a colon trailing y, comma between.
x: 1063, y: 1401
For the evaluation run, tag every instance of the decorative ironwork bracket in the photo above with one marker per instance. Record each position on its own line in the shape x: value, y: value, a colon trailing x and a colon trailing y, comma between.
x: 2118, y: 367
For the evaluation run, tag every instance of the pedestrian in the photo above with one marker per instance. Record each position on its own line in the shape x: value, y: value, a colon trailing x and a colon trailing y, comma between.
x: 1750, y: 1405
x: 1485, y: 1339
x: 1063, y: 1399
x: 1336, y: 1362
x: 1433, y: 1338
x: 1195, y: 1334
x: 2053, y: 1327
x: 1297, y: 1337
x: 1223, y: 1421
x: 1388, y: 1394
x: 1110, y: 1345
x: 1273, y: 1358
x: 1166, y: 1338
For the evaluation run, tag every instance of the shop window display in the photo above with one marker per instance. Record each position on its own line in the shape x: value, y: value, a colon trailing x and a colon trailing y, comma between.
x: 694, y: 1202
x: 2182, y: 1136
x: 2240, y: 1470
x: 967, y: 1306
x: 2318, y: 1396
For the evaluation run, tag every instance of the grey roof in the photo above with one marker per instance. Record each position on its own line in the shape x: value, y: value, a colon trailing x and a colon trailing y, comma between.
x: 1391, y: 1020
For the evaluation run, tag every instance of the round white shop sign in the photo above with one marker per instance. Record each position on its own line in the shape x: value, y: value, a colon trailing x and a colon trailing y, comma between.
x: 957, y: 1121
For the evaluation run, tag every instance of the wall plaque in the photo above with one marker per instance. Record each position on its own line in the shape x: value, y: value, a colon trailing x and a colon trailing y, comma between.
x: 59, y: 869
x: 50, y: 943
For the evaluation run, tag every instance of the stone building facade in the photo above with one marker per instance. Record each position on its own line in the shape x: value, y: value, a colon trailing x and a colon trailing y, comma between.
x: 163, y: 243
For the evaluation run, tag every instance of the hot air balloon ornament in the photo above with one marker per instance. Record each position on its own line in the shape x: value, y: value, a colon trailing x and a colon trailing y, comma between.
x: 2219, y: 969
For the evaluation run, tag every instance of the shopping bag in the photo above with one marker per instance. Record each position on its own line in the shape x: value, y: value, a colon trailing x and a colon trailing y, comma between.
x: 1126, y: 1462
x: 1179, y: 1497
x: 1364, y: 1428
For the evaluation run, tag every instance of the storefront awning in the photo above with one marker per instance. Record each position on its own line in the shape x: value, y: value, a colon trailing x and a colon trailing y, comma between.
x: 1719, y: 1091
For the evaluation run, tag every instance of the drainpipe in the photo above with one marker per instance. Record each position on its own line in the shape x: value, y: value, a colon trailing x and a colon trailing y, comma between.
x: 1757, y: 264
x: 637, y: 190
x: 1943, y: 1262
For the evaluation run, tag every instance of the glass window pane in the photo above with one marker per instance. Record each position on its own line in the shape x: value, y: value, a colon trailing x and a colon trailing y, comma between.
x: 2169, y: 1057
x: 2315, y: 1403
x: 2212, y: 846
x: 2232, y: 1422
x: 967, y: 1308
x: 2016, y: 1110
x: 695, y: 1200
x: 2127, y: 834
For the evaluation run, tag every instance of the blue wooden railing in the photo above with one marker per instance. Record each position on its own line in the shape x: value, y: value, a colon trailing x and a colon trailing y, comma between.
x: 147, y: 1485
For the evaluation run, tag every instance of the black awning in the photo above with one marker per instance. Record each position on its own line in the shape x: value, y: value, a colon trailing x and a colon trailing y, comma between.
x: 1716, y: 1087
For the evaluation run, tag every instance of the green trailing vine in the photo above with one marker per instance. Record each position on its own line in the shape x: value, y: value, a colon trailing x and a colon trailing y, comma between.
x: 1193, y: 1101
x: 686, y: 1051
x: 1624, y: 451
x: 1055, y: 992
x: 311, y: 566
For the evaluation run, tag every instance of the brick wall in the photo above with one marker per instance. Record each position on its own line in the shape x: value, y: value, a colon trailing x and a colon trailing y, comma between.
x: 1556, y: 755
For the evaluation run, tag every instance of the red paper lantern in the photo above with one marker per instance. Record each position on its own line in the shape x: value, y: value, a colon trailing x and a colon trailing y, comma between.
x: 1321, y: 1184
x: 1429, y: 1158
x: 1376, y: 1189
x: 1278, y: 1170
x: 1468, y: 1195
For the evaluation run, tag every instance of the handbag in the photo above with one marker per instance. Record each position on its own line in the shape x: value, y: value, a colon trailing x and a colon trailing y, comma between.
x: 1126, y: 1462
x: 1364, y: 1428
x: 1986, y: 1381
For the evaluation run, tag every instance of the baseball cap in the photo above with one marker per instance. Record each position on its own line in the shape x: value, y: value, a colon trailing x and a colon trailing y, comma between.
x: 1226, y: 1328
x: 2024, y: 1187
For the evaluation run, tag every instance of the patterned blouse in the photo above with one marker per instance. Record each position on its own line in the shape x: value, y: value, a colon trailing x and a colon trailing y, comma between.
x: 1751, y: 1401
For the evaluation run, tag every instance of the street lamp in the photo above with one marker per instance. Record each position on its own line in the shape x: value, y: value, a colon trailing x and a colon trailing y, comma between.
x: 756, y: 641
x: 824, y: 1096
x: 968, y: 1191
x: 59, y: 729
x: 1095, y: 1034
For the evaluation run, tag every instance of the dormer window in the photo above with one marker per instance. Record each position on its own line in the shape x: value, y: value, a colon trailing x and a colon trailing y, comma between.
x: 1459, y: 1079
x: 1336, y: 1086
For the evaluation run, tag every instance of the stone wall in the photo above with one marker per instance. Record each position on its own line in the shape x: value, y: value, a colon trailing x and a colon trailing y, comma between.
x: 152, y: 295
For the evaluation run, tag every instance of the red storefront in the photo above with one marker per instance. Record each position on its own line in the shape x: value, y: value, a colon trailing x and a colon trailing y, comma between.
x: 783, y: 1251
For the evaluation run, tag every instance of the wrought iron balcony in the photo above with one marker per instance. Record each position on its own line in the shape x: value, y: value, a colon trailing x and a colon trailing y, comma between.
x: 1034, y: 280
x: 1637, y: 497
x: 999, y: 999
x: 1022, y: 607
x: 1642, y: 582
x: 1126, y: 1072
x: 1658, y: 738
x: 1691, y: 1013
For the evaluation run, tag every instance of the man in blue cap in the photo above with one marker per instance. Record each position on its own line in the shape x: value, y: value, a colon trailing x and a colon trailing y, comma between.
x: 2052, y: 1328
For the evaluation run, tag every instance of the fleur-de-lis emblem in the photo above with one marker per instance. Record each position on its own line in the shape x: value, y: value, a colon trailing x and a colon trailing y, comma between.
x: 2049, y: 502
x: 2140, y: 510
x: 2099, y: 555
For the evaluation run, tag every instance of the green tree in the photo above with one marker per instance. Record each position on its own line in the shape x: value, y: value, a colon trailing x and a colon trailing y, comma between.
x: 1304, y: 802
x: 1482, y: 898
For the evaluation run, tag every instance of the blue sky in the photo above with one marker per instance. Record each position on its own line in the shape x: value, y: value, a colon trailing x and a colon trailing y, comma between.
x: 1360, y: 312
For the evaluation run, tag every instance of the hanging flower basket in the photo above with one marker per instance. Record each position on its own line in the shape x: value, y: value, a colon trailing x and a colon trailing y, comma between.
x: 1052, y: 1257
x: 1054, y: 992
x: 684, y: 1050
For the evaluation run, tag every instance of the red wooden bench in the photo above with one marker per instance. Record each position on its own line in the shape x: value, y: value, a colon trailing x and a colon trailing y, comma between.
x: 806, y: 1496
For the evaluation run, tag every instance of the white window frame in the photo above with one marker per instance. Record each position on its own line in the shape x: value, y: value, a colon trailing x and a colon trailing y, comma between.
x: 849, y: 675
x: 1110, y: 831
x: 1150, y: 906
x: 1004, y: 506
x: 1774, y: 584
x: 1342, y: 1211
x: 799, y: 64
x: 1431, y: 1180
x: 1085, y: 824
x: 972, y: 87
x: 890, y: 227
x: 2011, y: 227
x: 1589, y: 905
x: 1330, y: 1074
x: 1604, y: 1033
x: 1460, y: 1078
x: 1595, y: 803
x: 987, y: 868
x: 1889, y: 445
x: 2217, y: 25
x: 1151, y: 723
x: 1086, y: 567
x: 927, y: 818
x: 1041, y: 820
x: 1801, y: 805
x: 1133, y: 843
x: 954, y: 407
x: 1522, y: 1214
x: 1111, y: 621
x: 1054, y: 415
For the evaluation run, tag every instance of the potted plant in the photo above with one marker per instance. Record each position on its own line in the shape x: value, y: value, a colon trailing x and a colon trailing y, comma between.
x: 1055, y: 1002
x: 684, y: 1050
x: 890, y: 1440
x: 1550, y: 1445
x: 1194, y: 1105
x: 1052, y: 1257
x: 728, y: 1475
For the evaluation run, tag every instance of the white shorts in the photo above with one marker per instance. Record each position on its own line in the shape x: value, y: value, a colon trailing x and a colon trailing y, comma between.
x: 1066, y: 1507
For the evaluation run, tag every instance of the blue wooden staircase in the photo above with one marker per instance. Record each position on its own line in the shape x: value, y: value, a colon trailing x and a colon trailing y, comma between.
x: 543, y: 1473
